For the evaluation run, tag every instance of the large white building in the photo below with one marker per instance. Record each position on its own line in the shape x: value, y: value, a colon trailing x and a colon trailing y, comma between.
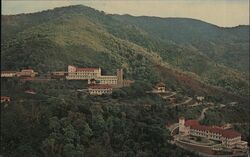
x: 228, y: 138
x: 93, y: 75
x: 75, y: 73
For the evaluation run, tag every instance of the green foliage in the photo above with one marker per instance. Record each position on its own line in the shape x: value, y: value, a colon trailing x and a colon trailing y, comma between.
x: 237, y: 115
x: 61, y: 124
x: 59, y: 121
x: 51, y: 40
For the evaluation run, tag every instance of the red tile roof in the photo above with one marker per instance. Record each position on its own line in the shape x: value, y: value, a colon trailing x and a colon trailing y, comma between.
x: 160, y: 84
x: 191, y: 123
x: 86, y: 69
x: 194, y: 124
x: 101, y: 86
x: 230, y: 133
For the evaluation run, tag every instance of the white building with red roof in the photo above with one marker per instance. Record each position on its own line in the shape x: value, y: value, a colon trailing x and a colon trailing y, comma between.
x: 228, y: 137
x: 75, y: 73
x: 93, y: 75
x: 100, y: 89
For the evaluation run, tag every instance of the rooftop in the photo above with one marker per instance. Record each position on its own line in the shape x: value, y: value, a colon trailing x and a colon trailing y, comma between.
x: 194, y: 124
x: 86, y: 69
x: 160, y: 84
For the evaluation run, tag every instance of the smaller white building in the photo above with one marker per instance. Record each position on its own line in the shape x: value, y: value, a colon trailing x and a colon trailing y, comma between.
x: 100, y: 89
x: 159, y: 88
x: 200, y: 98
x: 8, y: 73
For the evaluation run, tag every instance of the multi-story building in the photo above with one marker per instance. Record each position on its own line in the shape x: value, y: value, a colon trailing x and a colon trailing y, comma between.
x: 228, y: 138
x: 111, y: 80
x: 94, y: 76
x: 75, y: 73
x: 27, y: 73
x: 100, y: 89
x: 8, y: 73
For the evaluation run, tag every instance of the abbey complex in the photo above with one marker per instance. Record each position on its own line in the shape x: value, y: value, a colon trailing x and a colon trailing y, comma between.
x: 98, y: 84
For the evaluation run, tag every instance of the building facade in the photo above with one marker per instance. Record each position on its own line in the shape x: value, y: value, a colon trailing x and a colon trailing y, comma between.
x: 94, y: 76
x: 75, y: 73
x: 229, y: 138
x: 159, y: 88
x: 100, y: 89
x: 8, y: 74
x: 111, y: 80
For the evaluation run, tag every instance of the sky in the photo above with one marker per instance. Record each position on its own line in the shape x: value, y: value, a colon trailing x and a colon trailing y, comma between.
x: 225, y: 13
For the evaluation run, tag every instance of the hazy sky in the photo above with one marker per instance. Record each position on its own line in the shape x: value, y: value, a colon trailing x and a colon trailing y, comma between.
x: 220, y: 12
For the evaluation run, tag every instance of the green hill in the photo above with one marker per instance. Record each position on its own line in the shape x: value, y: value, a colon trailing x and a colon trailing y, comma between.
x: 192, y: 57
x: 206, y: 54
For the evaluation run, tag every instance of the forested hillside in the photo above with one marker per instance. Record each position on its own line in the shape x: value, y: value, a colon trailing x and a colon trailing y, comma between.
x: 191, y: 57
x: 58, y: 121
x: 50, y: 40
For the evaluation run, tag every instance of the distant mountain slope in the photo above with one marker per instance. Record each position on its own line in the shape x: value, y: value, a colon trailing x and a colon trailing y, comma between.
x: 50, y: 40
x: 229, y: 46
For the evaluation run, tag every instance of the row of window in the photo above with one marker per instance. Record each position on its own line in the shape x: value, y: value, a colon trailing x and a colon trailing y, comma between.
x: 82, y: 74
x: 79, y: 77
x: 203, y: 134
x: 108, y: 91
x: 108, y: 81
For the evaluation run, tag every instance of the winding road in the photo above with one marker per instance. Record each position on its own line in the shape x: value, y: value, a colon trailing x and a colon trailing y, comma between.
x: 165, y: 97
x: 183, y: 103
x: 202, y: 116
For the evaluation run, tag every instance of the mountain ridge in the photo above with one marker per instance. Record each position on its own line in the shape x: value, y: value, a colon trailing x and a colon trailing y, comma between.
x: 56, y: 8
x: 81, y: 28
